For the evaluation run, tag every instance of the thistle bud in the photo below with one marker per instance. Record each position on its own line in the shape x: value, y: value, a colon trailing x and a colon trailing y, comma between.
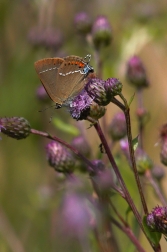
x: 95, y: 89
x: 101, y: 32
x: 15, y: 127
x: 113, y: 87
x: 157, y: 220
x: 136, y: 74
x: 82, y: 23
x: 96, y: 111
x: 75, y: 216
x: 59, y: 157
x: 143, y: 161
x: 81, y: 144
x: 158, y: 172
x: 101, y: 91
x: 117, y: 128
x: 52, y: 38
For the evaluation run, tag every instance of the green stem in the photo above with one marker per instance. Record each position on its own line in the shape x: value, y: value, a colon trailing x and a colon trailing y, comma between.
x: 131, y: 152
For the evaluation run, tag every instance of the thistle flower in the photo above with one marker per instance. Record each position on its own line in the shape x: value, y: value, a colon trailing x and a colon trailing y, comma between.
x: 79, y: 107
x: 101, y: 32
x: 82, y: 23
x: 59, y: 157
x: 157, y: 220
x: 75, y: 215
x: 52, y: 38
x: 49, y: 37
x: 101, y: 91
x: 81, y: 144
x: 136, y: 74
x: 142, y: 115
x: 117, y: 128
x: 113, y: 87
x: 15, y: 127
x: 99, y: 166
x: 158, y: 172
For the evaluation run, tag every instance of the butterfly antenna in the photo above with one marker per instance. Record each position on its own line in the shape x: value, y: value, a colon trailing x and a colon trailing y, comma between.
x: 45, y: 108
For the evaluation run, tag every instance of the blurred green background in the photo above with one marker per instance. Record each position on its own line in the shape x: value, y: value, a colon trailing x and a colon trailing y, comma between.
x: 29, y: 189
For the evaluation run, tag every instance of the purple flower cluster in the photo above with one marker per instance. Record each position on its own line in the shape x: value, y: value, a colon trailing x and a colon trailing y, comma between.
x: 157, y: 220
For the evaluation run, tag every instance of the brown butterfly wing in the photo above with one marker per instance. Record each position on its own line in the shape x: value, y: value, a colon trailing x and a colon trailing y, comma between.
x: 47, y: 70
x: 70, y: 74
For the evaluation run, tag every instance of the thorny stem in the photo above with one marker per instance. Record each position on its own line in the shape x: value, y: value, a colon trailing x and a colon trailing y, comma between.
x: 125, y: 228
x: 120, y: 179
x: 126, y: 110
x: 109, y: 154
x: 90, y: 165
x: 129, y: 233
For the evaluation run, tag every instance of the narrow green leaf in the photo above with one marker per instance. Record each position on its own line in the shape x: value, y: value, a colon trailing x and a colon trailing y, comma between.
x: 135, y: 142
x: 131, y: 99
x: 65, y: 127
x: 153, y: 236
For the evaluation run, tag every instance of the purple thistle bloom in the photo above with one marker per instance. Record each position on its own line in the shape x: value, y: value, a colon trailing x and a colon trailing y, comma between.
x: 49, y: 37
x: 81, y: 144
x: 117, y: 128
x: 83, y: 22
x: 113, y: 87
x: 135, y: 73
x: 158, y: 172
x: 52, y: 38
x: 96, y: 90
x: 80, y: 106
x: 101, y: 32
x: 15, y: 127
x: 101, y: 91
x: 76, y: 215
x: 99, y: 167
x: 59, y: 157
x: 157, y: 220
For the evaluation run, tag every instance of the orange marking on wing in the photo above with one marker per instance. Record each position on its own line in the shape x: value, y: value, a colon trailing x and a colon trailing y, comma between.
x: 80, y: 64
